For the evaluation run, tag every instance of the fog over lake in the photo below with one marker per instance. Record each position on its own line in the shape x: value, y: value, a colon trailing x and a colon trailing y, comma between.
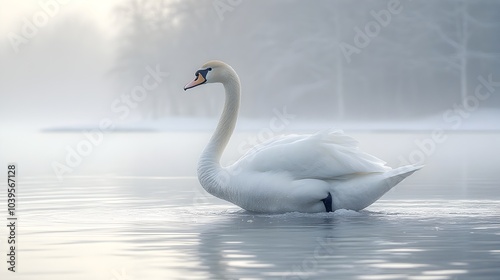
x: 105, y: 142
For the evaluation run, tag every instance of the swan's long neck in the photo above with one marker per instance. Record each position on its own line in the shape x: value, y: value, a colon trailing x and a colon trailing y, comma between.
x: 211, y: 175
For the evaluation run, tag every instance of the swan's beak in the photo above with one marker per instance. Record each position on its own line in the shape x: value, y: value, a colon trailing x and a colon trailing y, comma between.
x: 199, y: 80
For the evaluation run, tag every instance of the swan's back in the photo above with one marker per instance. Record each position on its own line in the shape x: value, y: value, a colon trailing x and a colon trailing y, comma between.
x: 324, y: 155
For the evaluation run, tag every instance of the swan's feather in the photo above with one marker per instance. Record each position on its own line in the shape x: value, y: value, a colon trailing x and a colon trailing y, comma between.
x: 324, y: 155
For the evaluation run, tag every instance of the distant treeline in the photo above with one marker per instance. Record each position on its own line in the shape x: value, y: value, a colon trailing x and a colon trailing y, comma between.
x: 322, y: 59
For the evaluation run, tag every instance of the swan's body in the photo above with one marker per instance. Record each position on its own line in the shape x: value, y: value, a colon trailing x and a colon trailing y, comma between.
x: 300, y: 173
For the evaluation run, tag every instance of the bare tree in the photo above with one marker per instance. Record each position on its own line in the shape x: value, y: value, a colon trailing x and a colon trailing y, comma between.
x: 451, y: 24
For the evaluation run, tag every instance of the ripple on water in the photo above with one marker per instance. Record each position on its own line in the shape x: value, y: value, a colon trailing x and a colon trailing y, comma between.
x: 395, y: 265
x: 155, y: 225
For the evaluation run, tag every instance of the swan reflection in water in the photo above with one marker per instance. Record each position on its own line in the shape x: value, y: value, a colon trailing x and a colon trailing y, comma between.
x: 266, y: 246
x: 343, y: 245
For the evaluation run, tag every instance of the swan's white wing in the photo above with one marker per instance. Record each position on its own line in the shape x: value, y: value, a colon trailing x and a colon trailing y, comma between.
x: 324, y: 155
x: 278, y: 140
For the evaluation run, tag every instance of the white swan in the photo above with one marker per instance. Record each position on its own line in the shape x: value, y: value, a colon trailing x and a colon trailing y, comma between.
x: 322, y: 172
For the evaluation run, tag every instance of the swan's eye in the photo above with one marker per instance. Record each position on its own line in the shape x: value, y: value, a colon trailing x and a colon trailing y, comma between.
x: 196, y: 75
x: 209, y: 69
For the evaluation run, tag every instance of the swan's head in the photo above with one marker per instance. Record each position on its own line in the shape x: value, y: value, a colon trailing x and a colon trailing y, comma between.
x: 211, y: 72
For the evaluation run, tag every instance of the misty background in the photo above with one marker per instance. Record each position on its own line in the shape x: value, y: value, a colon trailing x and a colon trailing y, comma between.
x: 399, y: 76
x: 418, y: 63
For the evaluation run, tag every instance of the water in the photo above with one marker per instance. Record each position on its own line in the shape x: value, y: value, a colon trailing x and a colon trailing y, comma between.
x: 133, y: 210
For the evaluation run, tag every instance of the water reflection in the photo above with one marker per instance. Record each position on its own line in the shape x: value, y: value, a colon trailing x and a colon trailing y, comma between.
x: 151, y: 233
x: 441, y: 224
x: 367, y: 245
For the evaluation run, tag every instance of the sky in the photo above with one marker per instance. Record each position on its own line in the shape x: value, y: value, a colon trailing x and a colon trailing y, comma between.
x: 41, y: 62
x: 99, y: 12
x: 331, y: 61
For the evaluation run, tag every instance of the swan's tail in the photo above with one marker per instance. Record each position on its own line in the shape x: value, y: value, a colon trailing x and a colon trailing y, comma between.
x: 394, y: 176
x: 359, y: 191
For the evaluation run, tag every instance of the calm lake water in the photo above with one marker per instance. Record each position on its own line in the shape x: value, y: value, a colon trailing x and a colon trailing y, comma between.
x: 133, y: 209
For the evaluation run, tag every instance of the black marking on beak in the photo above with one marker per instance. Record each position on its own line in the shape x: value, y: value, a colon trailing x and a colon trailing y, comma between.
x: 203, y: 72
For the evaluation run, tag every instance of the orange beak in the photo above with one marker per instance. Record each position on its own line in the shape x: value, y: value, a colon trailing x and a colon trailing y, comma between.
x: 196, y: 82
